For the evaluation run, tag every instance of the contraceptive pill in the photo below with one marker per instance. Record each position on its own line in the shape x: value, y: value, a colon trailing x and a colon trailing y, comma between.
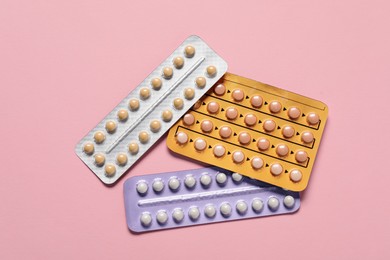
x: 180, y: 205
x: 140, y: 119
x: 258, y: 130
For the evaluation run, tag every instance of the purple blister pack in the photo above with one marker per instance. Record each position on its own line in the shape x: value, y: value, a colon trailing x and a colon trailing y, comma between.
x: 200, y: 196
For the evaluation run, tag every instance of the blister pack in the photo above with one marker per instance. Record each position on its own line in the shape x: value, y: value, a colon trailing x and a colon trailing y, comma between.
x: 258, y: 130
x: 201, y: 196
x: 140, y: 119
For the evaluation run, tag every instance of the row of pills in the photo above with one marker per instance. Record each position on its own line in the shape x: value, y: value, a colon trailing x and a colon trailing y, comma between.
x: 274, y: 107
x: 210, y: 210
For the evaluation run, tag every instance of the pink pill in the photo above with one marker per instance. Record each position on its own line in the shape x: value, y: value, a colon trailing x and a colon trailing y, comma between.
x: 238, y: 157
x: 188, y: 119
x: 256, y: 101
x: 294, y: 113
x: 288, y: 131
x: 282, y: 150
x: 231, y: 113
x: 263, y: 144
x: 213, y: 107
x: 250, y: 120
x: 206, y: 126
x: 257, y: 163
x: 275, y: 107
x: 244, y: 138
x: 296, y: 175
x: 200, y: 144
x: 225, y: 132
x: 219, y: 150
x: 220, y: 90
x: 269, y: 125
x: 238, y: 95
x: 301, y: 156
x: 313, y: 118
x: 307, y: 137
x: 182, y: 138
x: 276, y: 169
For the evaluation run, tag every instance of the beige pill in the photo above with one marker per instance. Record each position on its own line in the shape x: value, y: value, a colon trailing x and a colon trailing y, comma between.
x: 100, y: 159
x: 238, y: 95
x: 293, y: 113
x: 313, y: 118
x: 256, y: 101
x: 122, y: 115
x: 89, y: 148
x: 220, y: 90
x: 167, y: 72
x: 110, y: 126
x: 99, y: 137
x: 167, y: 115
x: 178, y: 62
x: 288, y: 131
x: 206, y: 126
x: 188, y: 119
x: 121, y: 159
x: 189, y: 51
x: 200, y: 82
x: 211, y: 71
x: 155, y: 126
x: 296, y: 175
x: 134, y: 104
x: 181, y: 138
x: 156, y: 83
x: 250, y: 120
x: 213, y: 107
x: 143, y: 137
x: 144, y: 93
x: 225, y: 132
x: 269, y: 125
x: 231, y: 113
x: 110, y: 170
x: 301, y: 156
x: 275, y: 107
x: 276, y: 169
x: 200, y: 144
x: 189, y: 93
x: 244, y: 138
x: 133, y: 148
x: 282, y: 150
x: 263, y: 144
x: 307, y: 137
x: 178, y: 103
x: 238, y: 157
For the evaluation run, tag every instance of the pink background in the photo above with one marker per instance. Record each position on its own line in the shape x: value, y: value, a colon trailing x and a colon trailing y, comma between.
x: 65, y: 64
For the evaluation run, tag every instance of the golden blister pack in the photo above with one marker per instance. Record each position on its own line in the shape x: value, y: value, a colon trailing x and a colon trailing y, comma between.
x: 255, y: 129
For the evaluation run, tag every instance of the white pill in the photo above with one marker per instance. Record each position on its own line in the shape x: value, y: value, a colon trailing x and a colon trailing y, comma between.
x: 190, y: 181
x: 237, y: 177
x: 210, y: 211
x: 194, y: 213
x: 174, y: 183
x: 241, y: 207
x: 221, y: 178
x: 178, y: 215
x: 162, y: 217
x: 289, y: 201
x: 205, y: 180
x: 146, y: 219
x: 158, y: 185
x: 257, y: 205
x: 273, y: 203
x: 142, y: 187
x: 226, y: 209
x: 181, y: 138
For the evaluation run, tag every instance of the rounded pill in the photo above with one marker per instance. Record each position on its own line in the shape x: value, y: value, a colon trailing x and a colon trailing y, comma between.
x: 162, y: 217
x: 110, y: 126
x: 301, y: 156
x: 275, y: 107
x: 273, y: 203
x: 269, y: 125
x: 200, y: 144
x: 219, y: 150
x: 88, y: 148
x: 256, y: 101
x: 205, y: 180
x: 146, y: 219
x: 238, y: 95
x: 293, y: 113
x: 220, y: 89
x: 121, y: 159
x: 143, y: 137
x: 282, y: 150
x: 142, y: 187
x: 189, y: 93
x: 167, y: 72
x: 158, y: 185
x: 197, y: 104
x: 200, y: 82
x: 178, y: 103
x: 225, y: 132
x: 178, y: 62
x: 99, y: 137
x: 250, y: 120
x: 167, y: 115
x: 206, y: 126
x: 238, y: 157
x: 189, y: 51
x: 133, y: 148
x: 257, y: 205
x: 263, y: 144
x: 190, y: 181
x: 193, y: 213
x: 313, y: 118
x: 174, y: 183
x: 188, y: 119
x: 231, y: 113
x: 122, y: 115
x: 134, y: 104
x: 155, y: 126
x: 156, y: 83
x: 296, y: 175
x: 100, y: 159
x: 210, y: 211
x: 225, y: 209
x: 276, y: 169
x: 211, y: 71
x: 144, y: 93
x: 178, y: 215
x: 307, y: 137
x: 241, y: 207
x: 213, y: 107
x: 237, y: 177
x: 181, y: 137
x: 110, y: 170
x: 244, y: 138
x: 221, y: 178
x: 289, y: 201
x: 257, y: 163
x: 288, y: 131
